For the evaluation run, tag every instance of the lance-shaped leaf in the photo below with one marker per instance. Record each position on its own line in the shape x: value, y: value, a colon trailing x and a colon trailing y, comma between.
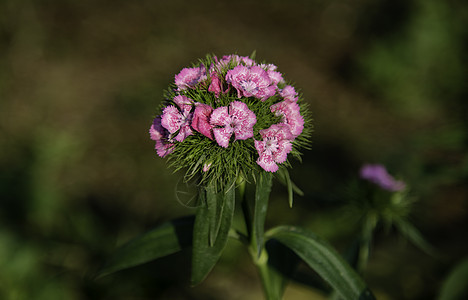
x: 262, y: 194
x: 207, y: 248
x: 414, y: 235
x: 166, y: 239
x: 454, y: 286
x: 215, y: 205
x: 324, y: 260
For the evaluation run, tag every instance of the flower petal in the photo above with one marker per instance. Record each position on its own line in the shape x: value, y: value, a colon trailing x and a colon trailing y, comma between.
x: 171, y: 118
x: 220, y: 116
x: 222, y: 136
x: 201, y: 118
x: 267, y: 163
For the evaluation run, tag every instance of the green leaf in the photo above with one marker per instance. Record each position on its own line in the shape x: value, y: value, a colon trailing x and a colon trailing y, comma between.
x: 454, y: 286
x: 206, y: 251
x: 281, y: 266
x: 215, y: 206
x: 166, y: 239
x: 414, y: 236
x: 262, y: 194
x: 323, y: 259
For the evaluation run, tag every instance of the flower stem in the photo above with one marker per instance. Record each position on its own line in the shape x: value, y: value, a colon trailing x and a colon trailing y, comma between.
x: 261, y: 262
x: 366, y: 238
x: 259, y: 256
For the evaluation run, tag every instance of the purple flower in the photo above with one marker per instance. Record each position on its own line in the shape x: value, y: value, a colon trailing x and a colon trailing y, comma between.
x: 251, y: 82
x: 289, y: 93
x: 161, y: 136
x: 201, y: 119
x: 236, y: 119
x: 275, y: 146
x: 290, y: 111
x: 190, y: 77
x: 177, y: 121
x: 378, y: 175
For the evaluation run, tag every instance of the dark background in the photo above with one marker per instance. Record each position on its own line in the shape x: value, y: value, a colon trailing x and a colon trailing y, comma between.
x: 80, y: 82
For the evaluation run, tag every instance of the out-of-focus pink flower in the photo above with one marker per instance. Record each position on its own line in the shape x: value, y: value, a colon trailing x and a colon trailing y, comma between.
x: 290, y: 111
x: 274, y: 147
x: 236, y: 59
x: 236, y: 119
x: 289, y: 93
x: 161, y: 136
x: 268, y: 67
x: 206, y: 167
x: 177, y: 121
x: 201, y: 119
x: 251, y: 82
x: 378, y: 175
x: 216, y: 85
x: 190, y: 77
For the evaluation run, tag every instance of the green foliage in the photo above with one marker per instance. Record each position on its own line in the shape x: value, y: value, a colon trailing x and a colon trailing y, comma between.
x: 211, y: 229
x: 322, y: 258
x: 166, y: 239
x: 262, y: 193
x: 454, y: 286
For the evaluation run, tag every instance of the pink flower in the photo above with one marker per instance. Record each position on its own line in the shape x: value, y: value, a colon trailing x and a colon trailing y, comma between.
x: 275, y: 146
x: 268, y: 67
x: 236, y: 119
x: 177, y: 121
x: 237, y: 60
x: 216, y: 85
x: 190, y: 77
x: 275, y: 77
x: 290, y: 111
x: 253, y: 81
x: 289, y: 93
x: 201, y: 119
x: 206, y: 167
x: 161, y: 136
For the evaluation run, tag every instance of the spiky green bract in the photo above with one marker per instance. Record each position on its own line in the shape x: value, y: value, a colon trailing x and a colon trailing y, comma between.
x: 203, y: 159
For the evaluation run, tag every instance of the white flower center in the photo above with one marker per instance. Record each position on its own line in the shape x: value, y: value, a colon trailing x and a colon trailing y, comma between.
x: 249, y: 86
x: 271, y: 144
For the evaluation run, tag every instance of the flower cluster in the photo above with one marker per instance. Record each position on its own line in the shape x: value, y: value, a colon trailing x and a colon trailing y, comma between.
x: 230, y: 115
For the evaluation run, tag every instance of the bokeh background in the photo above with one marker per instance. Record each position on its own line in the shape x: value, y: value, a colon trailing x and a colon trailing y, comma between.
x: 79, y: 85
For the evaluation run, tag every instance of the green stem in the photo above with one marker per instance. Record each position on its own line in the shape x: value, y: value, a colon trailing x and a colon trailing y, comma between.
x: 261, y: 262
x: 366, y: 240
x: 260, y: 259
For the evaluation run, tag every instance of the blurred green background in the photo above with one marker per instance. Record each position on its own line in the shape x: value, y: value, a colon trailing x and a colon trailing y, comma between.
x: 80, y: 82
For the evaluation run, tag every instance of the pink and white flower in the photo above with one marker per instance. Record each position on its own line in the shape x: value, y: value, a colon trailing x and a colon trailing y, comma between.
x: 251, y: 82
x: 236, y: 119
x: 190, y: 77
x: 274, y: 147
x: 177, y: 120
x: 201, y: 119
x: 159, y: 134
x: 275, y: 77
x: 237, y: 60
x: 289, y: 93
x: 291, y: 116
